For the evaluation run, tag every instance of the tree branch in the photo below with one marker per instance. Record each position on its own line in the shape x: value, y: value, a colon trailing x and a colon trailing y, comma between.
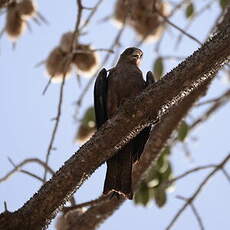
x: 198, y: 190
x: 27, y: 161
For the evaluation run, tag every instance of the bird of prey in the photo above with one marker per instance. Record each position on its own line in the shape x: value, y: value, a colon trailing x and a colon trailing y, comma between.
x: 125, y: 81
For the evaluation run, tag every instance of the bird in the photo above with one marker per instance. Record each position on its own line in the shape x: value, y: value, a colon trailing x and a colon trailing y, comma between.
x: 124, y: 81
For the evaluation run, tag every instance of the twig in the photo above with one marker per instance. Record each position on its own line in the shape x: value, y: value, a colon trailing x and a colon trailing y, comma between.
x: 190, y: 172
x: 225, y: 95
x: 88, y: 19
x: 226, y: 174
x: 91, y: 203
x: 79, y: 51
x: 57, y: 119
x: 31, y: 174
x: 174, y: 25
x: 25, y: 171
x: 69, y: 59
x: 47, y: 86
x: 196, y: 14
x: 5, y: 206
x: 177, y: 7
x: 40, y: 63
x: 218, y: 103
x: 195, y: 212
x: 27, y: 161
x: 78, y: 21
x: 198, y: 190
x: 170, y: 57
x: 212, y: 30
x: 42, y: 18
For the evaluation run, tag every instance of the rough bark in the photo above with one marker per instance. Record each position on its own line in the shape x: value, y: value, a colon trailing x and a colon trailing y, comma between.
x: 95, y: 216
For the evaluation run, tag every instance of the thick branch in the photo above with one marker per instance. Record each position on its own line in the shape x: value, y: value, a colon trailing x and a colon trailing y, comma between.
x: 194, y: 72
x: 94, y: 216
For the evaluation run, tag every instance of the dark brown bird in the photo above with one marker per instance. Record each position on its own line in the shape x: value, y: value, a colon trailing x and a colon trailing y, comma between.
x: 125, y: 81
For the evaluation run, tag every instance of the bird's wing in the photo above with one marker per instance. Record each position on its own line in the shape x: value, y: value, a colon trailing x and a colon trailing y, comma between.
x: 140, y: 140
x: 100, y: 95
x: 149, y: 78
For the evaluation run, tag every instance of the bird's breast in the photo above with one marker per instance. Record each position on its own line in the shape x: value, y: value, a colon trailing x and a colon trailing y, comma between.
x: 123, y: 83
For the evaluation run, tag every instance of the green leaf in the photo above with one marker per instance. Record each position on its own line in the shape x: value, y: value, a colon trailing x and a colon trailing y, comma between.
x: 153, y: 183
x: 152, y: 174
x: 224, y: 3
x: 158, y: 68
x: 166, y: 150
x: 142, y: 196
x: 160, y: 162
x: 151, y: 193
x: 160, y: 197
x: 89, y: 118
x: 189, y: 11
x: 183, y: 131
x: 168, y: 173
x: 164, y: 167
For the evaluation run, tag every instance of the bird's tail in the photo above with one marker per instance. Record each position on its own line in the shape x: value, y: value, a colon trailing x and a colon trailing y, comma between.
x: 119, y: 173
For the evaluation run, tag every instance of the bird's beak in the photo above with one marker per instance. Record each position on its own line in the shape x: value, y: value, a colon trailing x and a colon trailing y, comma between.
x: 137, y: 57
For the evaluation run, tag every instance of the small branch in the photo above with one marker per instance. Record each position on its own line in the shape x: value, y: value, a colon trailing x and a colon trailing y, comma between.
x: 91, y: 203
x: 218, y: 103
x: 93, y: 11
x: 32, y: 175
x: 47, y: 86
x: 226, y: 174
x: 92, y: 51
x: 189, y: 172
x: 42, y: 18
x: 27, y: 161
x: 5, y: 206
x: 195, y: 212
x: 173, y: 25
x: 25, y: 171
x: 55, y: 128
x: 195, y: 15
x: 68, y: 61
x: 77, y: 25
x: 198, y: 190
x: 224, y: 96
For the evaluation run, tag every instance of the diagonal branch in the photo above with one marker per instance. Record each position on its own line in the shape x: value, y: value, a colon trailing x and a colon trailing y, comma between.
x: 198, y: 190
x: 25, y: 162
x: 159, y: 135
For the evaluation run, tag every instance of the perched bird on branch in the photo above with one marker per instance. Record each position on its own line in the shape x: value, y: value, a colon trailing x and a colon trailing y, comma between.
x: 125, y: 81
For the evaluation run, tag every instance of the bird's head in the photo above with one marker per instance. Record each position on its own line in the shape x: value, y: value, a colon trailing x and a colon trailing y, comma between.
x: 131, y: 55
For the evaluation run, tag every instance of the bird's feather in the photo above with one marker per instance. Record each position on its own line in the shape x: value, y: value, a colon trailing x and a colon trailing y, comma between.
x: 125, y: 81
x: 100, y: 95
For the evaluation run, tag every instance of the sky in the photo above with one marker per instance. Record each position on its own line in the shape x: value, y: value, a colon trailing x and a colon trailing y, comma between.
x: 26, y: 119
